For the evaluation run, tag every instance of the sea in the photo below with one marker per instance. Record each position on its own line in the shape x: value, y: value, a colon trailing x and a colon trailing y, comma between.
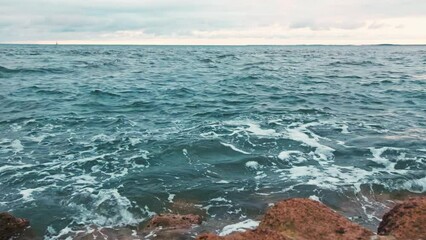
x: 108, y: 136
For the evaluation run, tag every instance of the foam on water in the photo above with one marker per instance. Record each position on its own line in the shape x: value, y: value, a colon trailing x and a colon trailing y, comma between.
x: 27, y: 193
x: 251, y: 127
x: 88, y: 149
x: 298, y: 134
x: 253, y: 164
x: 234, y: 148
x: 17, y: 146
x: 239, y: 227
x: 416, y: 185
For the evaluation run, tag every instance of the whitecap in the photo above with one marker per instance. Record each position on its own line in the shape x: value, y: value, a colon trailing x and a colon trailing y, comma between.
x: 377, y: 157
x: 222, y: 182
x: 38, y: 139
x: 345, y: 129
x: 27, y: 193
x: 324, y: 152
x: 253, y: 165
x: 234, y: 148
x: 134, y: 141
x: 285, y: 155
x: 13, y: 167
x: 17, y: 146
x: 252, y: 127
x: 219, y: 199
x: 102, y: 137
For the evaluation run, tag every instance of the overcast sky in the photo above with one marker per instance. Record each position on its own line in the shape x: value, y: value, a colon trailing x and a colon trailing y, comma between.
x: 213, y: 21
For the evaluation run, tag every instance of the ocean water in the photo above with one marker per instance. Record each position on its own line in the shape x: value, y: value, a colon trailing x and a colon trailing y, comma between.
x: 110, y: 135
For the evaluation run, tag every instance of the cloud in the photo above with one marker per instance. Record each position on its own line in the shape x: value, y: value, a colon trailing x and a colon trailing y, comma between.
x: 143, y: 20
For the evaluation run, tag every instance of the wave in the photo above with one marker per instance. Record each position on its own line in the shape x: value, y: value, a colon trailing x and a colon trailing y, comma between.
x: 42, y: 70
x: 355, y: 63
x: 101, y: 93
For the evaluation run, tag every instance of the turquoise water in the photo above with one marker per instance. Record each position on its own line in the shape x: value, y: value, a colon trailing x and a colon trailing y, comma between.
x: 109, y: 135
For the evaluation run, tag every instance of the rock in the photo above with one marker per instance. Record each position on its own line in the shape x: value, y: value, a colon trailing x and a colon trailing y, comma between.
x: 173, y: 221
x: 11, y: 227
x: 105, y: 234
x: 186, y: 207
x: 172, y: 226
x: 300, y: 219
x: 407, y: 220
x: 256, y: 234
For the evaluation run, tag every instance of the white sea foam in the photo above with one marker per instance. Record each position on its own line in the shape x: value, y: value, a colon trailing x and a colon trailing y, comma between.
x: 219, y: 199
x: 222, y: 182
x: 210, y: 135
x: 253, y: 165
x: 15, y: 127
x: 171, y: 197
x: 105, y: 208
x: 315, y: 198
x: 416, y: 185
x: 286, y: 155
x: 38, y: 139
x: 297, y: 134
x: 377, y: 157
x: 134, y: 141
x: 329, y: 177
x: 234, y: 148
x: 17, y: 146
x: 103, y: 138
x: 239, y: 227
x: 27, y: 193
x: 257, y: 130
x: 345, y: 129
x: 13, y: 167
x: 252, y: 127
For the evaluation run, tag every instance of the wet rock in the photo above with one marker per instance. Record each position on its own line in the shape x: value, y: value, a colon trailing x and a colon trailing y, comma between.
x: 12, y: 227
x: 186, y: 207
x: 106, y: 233
x: 172, y: 226
x: 407, y: 220
x: 174, y: 221
x: 300, y: 219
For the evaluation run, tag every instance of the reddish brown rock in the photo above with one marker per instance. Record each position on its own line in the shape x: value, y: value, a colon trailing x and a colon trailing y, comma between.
x: 257, y: 234
x: 407, y: 220
x: 11, y: 226
x: 302, y: 219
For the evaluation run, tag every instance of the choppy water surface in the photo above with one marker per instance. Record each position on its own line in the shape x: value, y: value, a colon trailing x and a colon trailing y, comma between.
x: 109, y: 135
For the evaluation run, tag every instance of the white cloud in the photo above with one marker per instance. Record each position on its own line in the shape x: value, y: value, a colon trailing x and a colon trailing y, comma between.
x: 208, y: 21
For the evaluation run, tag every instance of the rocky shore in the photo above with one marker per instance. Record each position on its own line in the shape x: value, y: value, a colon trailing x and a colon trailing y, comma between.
x: 290, y: 219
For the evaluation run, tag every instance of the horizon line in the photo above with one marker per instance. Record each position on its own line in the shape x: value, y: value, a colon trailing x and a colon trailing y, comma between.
x: 145, y: 44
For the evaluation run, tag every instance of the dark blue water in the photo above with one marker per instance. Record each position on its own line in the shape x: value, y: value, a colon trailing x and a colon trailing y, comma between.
x: 109, y: 135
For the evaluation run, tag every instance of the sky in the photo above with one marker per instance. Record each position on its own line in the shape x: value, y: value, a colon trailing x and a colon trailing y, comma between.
x: 229, y: 22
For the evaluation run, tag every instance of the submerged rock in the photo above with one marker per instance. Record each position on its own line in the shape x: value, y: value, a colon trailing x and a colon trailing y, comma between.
x: 300, y: 219
x: 106, y: 233
x: 12, y: 227
x: 172, y: 226
x: 407, y: 220
x: 184, y: 207
x: 173, y: 221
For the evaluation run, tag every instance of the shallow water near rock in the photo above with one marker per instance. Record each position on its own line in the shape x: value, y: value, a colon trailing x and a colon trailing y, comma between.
x: 111, y: 135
